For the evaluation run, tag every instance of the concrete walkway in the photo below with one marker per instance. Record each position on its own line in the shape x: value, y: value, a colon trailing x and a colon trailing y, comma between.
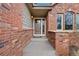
x: 39, y: 47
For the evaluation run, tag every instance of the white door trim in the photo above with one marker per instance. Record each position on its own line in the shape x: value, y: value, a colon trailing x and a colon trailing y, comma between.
x: 41, y: 27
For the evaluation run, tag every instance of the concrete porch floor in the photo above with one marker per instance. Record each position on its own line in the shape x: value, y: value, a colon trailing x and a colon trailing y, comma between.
x: 39, y: 47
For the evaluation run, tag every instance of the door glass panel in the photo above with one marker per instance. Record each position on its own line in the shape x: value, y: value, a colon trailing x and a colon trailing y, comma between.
x: 43, y: 26
x: 37, y: 26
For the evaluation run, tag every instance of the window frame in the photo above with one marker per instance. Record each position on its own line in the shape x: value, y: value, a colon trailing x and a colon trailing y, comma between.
x: 69, y: 30
x: 76, y: 23
x: 59, y: 30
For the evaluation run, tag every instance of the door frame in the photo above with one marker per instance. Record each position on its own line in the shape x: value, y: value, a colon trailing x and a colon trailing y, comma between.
x: 41, y: 26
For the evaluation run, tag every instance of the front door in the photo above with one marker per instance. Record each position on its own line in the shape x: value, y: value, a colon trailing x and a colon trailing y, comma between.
x: 39, y: 26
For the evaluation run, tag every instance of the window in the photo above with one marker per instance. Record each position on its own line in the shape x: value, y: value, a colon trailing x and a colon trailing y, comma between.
x: 42, y: 4
x: 69, y: 20
x: 59, y: 21
x: 77, y: 21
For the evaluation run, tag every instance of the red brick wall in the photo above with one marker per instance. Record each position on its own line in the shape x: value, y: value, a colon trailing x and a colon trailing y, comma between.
x: 63, y: 39
x: 51, y: 22
x: 14, y: 42
x: 62, y: 43
x: 13, y: 38
x: 51, y: 38
x: 61, y: 8
x: 19, y: 40
x: 12, y: 14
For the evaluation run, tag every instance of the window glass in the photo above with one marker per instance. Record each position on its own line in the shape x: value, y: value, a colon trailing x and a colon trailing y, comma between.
x: 77, y: 21
x: 59, y: 21
x: 69, y: 20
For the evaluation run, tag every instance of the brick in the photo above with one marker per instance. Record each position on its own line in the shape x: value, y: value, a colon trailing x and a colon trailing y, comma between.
x: 14, y: 38
x: 63, y: 40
